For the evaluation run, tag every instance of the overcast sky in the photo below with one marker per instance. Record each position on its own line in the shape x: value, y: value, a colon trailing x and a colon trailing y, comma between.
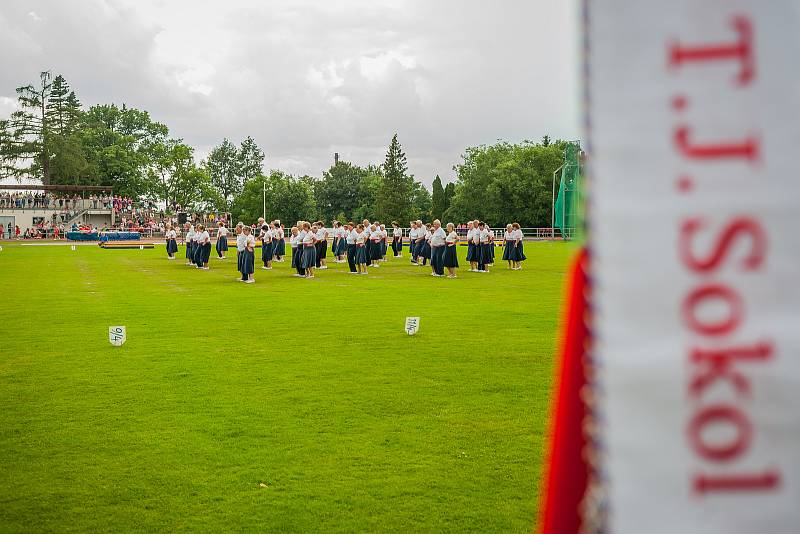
x: 309, y: 78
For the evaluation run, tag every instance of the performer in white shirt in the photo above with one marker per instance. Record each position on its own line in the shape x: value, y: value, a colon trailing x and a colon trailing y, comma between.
x: 509, y: 245
x: 375, y: 245
x: 197, y: 259
x: 237, y: 231
x: 321, y: 245
x: 519, y: 253
x: 248, y: 256
x: 412, y: 242
x: 484, y: 248
x: 172, y: 243
x: 425, y: 252
x: 188, y: 239
x: 309, y: 249
x: 204, y: 250
x: 450, y: 259
x: 267, y: 248
x: 384, y: 241
x: 279, y: 240
x: 222, y: 240
x: 301, y: 234
x: 361, y: 249
x: 472, y: 256
x: 437, y: 241
x: 397, y: 240
x: 350, y: 241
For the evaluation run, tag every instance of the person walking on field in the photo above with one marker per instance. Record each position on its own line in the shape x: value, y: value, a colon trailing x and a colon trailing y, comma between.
x: 397, y: 240
x: 450, y: 259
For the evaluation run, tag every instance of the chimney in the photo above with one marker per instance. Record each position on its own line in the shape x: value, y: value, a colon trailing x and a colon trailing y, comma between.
x: 335, y: 158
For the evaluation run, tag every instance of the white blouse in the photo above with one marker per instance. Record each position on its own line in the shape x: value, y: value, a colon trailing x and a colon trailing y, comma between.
x: 452, y: 237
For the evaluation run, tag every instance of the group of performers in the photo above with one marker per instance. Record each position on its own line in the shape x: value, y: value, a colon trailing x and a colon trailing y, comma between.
x: 360, y: 245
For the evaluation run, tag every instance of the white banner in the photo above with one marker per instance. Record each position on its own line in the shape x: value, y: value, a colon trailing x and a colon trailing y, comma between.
x: 117, y: 335
x: 412, y: 325
x: 694, y: 219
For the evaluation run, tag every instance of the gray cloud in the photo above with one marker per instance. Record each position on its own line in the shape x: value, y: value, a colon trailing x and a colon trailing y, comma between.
x: 307, y: 78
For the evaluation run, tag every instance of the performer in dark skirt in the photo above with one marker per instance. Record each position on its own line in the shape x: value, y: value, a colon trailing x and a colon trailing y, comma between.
x: 298, y: 262
x: 451, y: 251
x: 238, y: 232
x: 425, y: 252
x: 248, y: 256
x: 375, y: 245
x: 197, y: 257
x: 350, y: 241
x: 509, y: 246
x: 384, y: 241
x: 361, y: 249
x: 309, y: 259
x: 188, y: 240
x: 279, y: 240
x: 172, y: 242
x: 473, y: 245
x: 397, y: 240
x: 267, y: 248
x: 484, y: 248
x: 321, y: 245
x: 519, y: 253
x: 367, y: 241
x: 222, y: 240
x: 437, y: 242
x: 204, y: 248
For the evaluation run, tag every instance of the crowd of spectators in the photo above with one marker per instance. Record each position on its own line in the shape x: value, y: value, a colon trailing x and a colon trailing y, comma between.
x: 31, y: 200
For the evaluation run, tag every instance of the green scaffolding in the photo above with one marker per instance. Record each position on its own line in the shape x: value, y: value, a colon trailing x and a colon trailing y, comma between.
x: 567, y: 208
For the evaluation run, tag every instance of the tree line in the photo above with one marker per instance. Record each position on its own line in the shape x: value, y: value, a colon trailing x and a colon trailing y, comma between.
x: 54, y: 139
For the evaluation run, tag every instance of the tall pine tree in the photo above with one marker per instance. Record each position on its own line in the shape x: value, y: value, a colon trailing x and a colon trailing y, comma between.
x: 437, y: 199
x: 28, y: 149
x: 394, y: 194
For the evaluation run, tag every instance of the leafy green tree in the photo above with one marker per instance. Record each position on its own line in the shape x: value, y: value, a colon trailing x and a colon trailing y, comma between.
x: 222, y: 165
x: 394, y: 196
x: 546, y: 141
x: 250, y: 160
x: 505, y: 182
x: 121, y: 145
x: 421, y: 204
x: 287, y: 198
x: 438, y: 203
x: 338, y: 192
x: 368, y: 190
x: 174, y: 176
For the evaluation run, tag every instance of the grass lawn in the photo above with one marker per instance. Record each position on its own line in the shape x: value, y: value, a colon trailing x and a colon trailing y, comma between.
x: 287, y: 405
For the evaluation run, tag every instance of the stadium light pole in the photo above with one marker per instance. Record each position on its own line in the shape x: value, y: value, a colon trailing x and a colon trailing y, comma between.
x: 553, y: 207
x: 264, y: 196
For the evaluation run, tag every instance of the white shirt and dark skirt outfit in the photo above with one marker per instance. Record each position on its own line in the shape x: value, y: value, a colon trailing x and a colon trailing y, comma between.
x: 438, y: 239
x: 450, y: 259
x: 222, y: 241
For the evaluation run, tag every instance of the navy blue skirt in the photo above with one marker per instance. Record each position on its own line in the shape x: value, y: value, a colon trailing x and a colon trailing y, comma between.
x: 266, y: 251
x: 190, y: 250
x: 471, y: 255
x: 486, y: 253
x: 248, y: 259
x: 361, y: 254
x: 309, y: 258
x: 280, y: 247
x: 205, y: 252
x: 519, y: 253
x: 222, y: 244
x: 239, y: 259
x: 172, y: 246
x: 508, y: 251
x: 294, y: 257
x: 426, y: 250
x: 450, y: 256
x: 375, y: 250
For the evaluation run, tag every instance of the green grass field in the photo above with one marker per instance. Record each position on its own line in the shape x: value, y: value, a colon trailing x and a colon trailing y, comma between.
x: 288, y: 405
